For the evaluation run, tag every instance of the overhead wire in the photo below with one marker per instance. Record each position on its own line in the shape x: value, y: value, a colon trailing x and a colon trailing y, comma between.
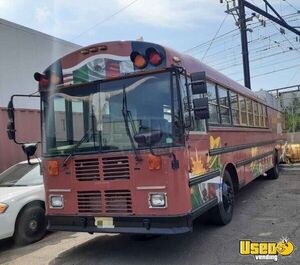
x: 105, y: 19
x: 215, y: 36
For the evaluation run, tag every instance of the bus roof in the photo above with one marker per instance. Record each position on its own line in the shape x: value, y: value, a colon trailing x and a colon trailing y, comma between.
x: 112, y: 59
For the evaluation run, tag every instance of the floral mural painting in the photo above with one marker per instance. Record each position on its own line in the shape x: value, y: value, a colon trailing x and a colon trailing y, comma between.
x: 197, y: 167
x: 214, y: 162
x: 254, y: 165
x: 204, y: 192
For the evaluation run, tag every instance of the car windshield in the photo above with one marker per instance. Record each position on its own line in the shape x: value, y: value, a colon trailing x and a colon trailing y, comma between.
x: 95, y: 113
x: 21, y: 175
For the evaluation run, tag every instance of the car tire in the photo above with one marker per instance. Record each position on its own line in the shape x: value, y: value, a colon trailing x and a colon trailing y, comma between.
x: 222, y: 213
x: 30, y: 225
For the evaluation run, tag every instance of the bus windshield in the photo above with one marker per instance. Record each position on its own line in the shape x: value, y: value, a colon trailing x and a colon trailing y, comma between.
x: 95, y: 113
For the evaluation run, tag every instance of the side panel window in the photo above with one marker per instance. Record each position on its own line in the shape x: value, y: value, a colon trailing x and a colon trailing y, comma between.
x: 243, y: 110
x: 265, y: 116
x: 60, y: 120
x: 224, y: 105
x: 250, y: 112
x: 256, y: 114
x: 234, y: 108
x: 77, y: 113
x: 261, y: 116
x: 197, y: 125
x: 213, y: 103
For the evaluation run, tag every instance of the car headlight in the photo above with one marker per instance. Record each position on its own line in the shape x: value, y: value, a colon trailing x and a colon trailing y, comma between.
x: 3, y: 207
x: 158, y: 200
x: 56, y: 201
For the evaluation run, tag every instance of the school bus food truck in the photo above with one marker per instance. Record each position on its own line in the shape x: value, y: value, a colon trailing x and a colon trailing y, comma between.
x: 138, y: 138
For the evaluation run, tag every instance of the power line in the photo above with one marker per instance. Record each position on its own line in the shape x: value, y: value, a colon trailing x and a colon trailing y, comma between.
x: 268, y: 64
x: 274, y: 71
x: 227, y: 35
x: 207, y: 42
x: 105, y: 19
x: 290, y: 81
x: 213, y: 39
x: 292, y: 6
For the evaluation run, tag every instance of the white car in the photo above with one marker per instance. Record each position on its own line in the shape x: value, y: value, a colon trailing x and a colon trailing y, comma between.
x: 22, y: 203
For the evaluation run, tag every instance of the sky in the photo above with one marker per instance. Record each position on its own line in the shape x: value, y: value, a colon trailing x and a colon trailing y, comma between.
x: 182, y: 25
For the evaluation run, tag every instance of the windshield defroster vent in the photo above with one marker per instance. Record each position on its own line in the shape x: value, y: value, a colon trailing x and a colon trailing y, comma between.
x: 87, y: 169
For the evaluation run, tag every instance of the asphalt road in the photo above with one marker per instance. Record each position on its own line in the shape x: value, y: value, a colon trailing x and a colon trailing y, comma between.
x: 265, y: 210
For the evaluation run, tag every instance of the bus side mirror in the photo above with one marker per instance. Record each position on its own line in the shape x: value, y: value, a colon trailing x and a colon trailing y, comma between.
x: 198, y: 83
x: 11, y: 131
x: 201, y: 108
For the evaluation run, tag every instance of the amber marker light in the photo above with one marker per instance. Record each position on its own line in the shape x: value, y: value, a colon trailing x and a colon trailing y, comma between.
x: 3, y: 207
x: 53, y: 168
x: 138, y: 60
x: 153, y: 56
x: 154, y: 162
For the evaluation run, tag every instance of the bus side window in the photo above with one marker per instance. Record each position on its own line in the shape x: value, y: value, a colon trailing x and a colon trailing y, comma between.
x: 224, y: 105
x: 243, y: 115
x: 265, y: 116
x: 213, y: 103
x: 234, y: 108
x: 250, y: 111
x: 261, y: 116
x: 256, y: 114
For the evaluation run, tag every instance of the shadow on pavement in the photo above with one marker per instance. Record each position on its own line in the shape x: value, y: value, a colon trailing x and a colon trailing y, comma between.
x: 9, y: 250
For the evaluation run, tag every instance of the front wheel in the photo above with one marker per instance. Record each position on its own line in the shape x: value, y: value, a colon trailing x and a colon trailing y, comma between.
x: 31, y: 225
x: 222, y: 213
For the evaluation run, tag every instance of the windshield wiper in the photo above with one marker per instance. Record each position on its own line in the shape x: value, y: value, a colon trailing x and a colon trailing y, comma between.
x: 75, y: 147
x: 127, y: 114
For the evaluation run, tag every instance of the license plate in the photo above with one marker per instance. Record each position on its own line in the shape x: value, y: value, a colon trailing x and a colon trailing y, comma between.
x: 104, y: 222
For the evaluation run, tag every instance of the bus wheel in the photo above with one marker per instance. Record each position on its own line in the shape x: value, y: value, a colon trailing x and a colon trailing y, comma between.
x: 222, y: 213
x: 273, y: 173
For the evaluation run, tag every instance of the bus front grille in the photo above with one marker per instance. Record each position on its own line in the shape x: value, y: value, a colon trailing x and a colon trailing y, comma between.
x: 89, y: 202
x: 116, y: 168
x: 87, y: 169
x: 118, y: 202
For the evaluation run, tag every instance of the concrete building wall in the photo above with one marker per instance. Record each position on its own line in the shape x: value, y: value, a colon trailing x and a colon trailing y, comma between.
x: 23, y: 52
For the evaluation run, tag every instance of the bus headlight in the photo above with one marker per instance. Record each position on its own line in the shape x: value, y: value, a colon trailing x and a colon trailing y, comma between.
x: 56, y: 201
x: 157, y: 200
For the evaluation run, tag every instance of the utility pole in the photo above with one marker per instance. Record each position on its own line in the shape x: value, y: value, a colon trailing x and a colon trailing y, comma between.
x: 239, y: 14
x: 244, y: 41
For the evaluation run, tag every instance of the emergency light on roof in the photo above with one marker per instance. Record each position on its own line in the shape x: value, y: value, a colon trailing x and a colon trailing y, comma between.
x: 153, y: 56
x: 138, y: 60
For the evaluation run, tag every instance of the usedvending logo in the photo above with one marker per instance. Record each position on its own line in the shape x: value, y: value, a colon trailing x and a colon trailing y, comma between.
x: 263, y: 250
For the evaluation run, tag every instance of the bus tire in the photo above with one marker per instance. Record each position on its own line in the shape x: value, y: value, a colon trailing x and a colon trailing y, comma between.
x: 273, y: 173
x: 222, y: 213
x: 30, y: 225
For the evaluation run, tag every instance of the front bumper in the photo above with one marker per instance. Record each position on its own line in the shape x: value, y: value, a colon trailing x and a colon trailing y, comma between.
x: 7, y: 226
x: 129, y: 225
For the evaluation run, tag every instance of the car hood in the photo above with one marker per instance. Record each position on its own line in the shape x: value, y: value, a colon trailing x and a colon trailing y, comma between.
x: 11, y: 193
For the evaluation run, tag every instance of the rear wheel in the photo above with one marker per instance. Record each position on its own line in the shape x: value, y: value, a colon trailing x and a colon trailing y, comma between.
x: 222, y: 213
x: 30, y: 225
x: 273, y: 173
